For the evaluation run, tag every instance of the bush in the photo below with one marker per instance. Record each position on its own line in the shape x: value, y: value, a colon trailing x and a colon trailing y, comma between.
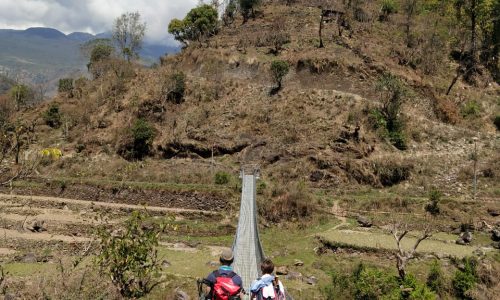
x: 398, y: 139
x: 129, y: 256
x: 143, y: 134
x: 435, y: 279
x: 279, y: 69
x: 221, y: 178
x: 464, y: 280
x: 415, y: 290
x: 247, y: 8
x: 391, y: 172
x: 387, y: 8
x: 65, y: 85
x: 433, y: 206
x: 471, y: 109
x: 52, y: 116
x: 374, y: 283
x: 393, y: 95
x: 174, y: 87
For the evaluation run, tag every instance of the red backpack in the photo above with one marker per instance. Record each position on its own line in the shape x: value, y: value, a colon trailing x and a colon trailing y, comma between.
x: 224, y: 287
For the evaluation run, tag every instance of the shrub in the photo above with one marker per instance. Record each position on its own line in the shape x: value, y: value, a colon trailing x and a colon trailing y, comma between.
x: 143, y: 134
x: 65, y: 85
x: 435, y: 279
x: 433, y: 206
x: 129, y: 256
x: 247, y: 8
x: 415, y: 290
x: 373, y: 283
x: 471, y: 109
x: 391, y: 172
x: 174, y: 87
x: 465, y: 279
x: 221, y: 178
x: 496, y: 121
x: 393, y: 94
x: 398, y: 139
x: 387, y: 8
x: 279, y: 69
x: 52, y: 116
x: 261, y: 187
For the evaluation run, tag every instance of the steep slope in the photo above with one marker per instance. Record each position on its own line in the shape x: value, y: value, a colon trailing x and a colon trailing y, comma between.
x: 319, y: 129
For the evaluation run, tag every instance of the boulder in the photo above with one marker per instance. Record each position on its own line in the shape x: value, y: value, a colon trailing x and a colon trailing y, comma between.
x: 494, y: 212
x: 466, y: 237
x: 311, y: 280
x: 282, y: 270
x: 364, y: 221
x: 36, y: 226
x: 298, y: 263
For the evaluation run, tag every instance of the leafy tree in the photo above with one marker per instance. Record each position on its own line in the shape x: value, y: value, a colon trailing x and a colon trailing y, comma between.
x: 129, y: 256
x: 393, y: 94
x: 52, y: 116
x: 435, y: 279
x: 247, y: 8
x: 20, y: 93
x: 65, y: 85
x: 128, y: 33
x: 174, y: 87
x: 143, y: 134
x: 388, y: 8
x: 230, y: 12
x: 101, y: 52
x: 465, y: 279
x: 200, y: 22
x: 279, y: 69
x: 433, y: 206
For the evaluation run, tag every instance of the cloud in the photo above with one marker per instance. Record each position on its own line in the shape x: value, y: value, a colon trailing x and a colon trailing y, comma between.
x: 94, y: 16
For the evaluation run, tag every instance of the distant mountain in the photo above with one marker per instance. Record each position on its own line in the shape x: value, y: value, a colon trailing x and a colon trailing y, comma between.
x: 81, y: 36
x: 48, y: 53
x: 48, y: 33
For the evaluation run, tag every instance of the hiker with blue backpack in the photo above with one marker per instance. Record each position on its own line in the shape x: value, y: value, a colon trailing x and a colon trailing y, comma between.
x: 267, y: 287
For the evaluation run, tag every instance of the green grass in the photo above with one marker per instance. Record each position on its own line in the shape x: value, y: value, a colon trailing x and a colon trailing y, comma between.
x: 376, y: 241
x: 29, y: 269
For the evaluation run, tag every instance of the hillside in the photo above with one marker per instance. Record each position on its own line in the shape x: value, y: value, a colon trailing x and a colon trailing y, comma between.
x: 175, y: 136
x: 49, y: 54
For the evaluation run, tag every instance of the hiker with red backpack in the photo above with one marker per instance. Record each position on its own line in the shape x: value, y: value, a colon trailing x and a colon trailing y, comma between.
x: 224, y: 283
x: 268, y: 287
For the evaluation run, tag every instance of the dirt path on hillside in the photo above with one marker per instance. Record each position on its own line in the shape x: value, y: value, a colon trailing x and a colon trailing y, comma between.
x: 41, y: 236
x: 86, y: 203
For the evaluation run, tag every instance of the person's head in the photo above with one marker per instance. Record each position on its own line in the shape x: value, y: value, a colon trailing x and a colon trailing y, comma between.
x: 226, y: 257
x: 267, y: 266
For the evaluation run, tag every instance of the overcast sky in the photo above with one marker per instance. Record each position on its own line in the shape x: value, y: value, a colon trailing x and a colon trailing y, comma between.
x: 93, y: 16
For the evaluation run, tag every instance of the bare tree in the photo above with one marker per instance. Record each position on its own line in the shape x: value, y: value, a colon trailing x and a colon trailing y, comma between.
x: 128, y: 33
x: 399, y: 231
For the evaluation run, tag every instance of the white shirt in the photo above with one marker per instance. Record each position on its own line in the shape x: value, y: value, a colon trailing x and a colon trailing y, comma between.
x: 268, y: 291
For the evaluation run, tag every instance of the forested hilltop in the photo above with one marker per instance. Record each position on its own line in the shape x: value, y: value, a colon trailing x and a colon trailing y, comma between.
x: 375, y: 125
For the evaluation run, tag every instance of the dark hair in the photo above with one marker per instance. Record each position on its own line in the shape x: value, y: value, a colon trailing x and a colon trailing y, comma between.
x: 267, y: 266
x: 225, y: 262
